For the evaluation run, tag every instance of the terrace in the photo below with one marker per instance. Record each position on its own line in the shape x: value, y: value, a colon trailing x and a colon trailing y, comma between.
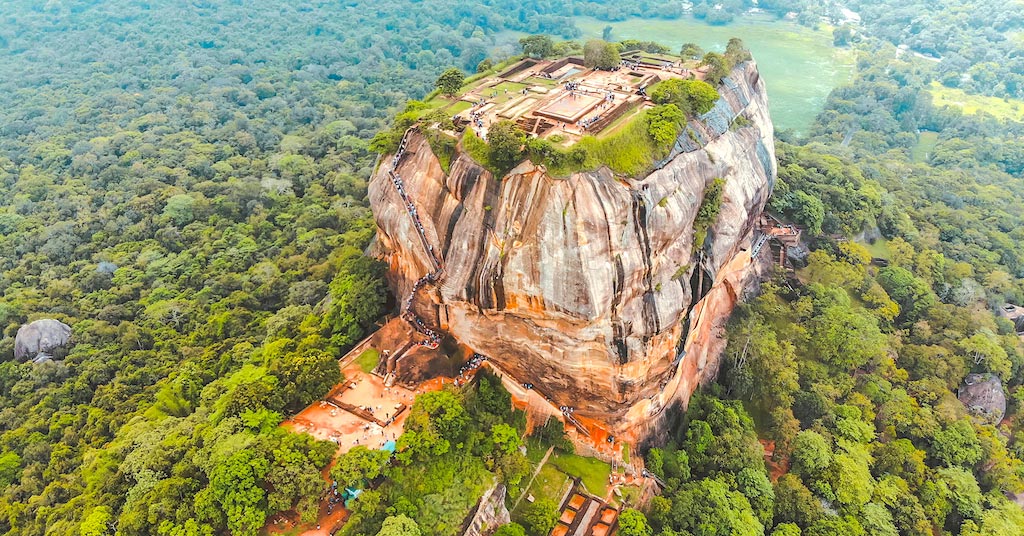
x: 562, y: 98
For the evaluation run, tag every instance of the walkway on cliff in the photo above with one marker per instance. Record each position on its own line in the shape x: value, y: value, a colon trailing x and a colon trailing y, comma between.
x: 433, y: 337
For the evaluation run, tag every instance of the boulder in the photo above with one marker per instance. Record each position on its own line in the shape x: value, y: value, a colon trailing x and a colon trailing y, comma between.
x: 983, y: 396
x: 42, y: 340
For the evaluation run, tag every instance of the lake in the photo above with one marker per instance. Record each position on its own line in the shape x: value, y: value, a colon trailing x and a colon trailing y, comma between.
x: 800, y: 66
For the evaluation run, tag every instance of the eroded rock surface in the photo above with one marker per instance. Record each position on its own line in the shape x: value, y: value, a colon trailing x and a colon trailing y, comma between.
x: 983, y: 396
x: 586, y: 286
x: 42, y: 340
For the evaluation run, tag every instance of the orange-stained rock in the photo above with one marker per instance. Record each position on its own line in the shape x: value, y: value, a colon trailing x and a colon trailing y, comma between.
x: 582, y: 286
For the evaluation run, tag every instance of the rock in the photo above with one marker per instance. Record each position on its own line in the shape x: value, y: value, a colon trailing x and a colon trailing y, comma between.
x: 983, y: 396
x: 589, y: 286
x: 42, y: 340
x: 106, y: 268
x: 490, y: 512
x: 798, y: 255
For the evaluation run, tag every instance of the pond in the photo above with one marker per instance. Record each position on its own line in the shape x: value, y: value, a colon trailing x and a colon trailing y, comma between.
x: 800, y: 66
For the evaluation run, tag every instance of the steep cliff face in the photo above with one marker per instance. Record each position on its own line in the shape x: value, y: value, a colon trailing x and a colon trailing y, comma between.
x: 588, y: 287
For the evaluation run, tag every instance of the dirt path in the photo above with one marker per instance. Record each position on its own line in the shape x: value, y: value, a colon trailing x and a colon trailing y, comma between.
x: 536, y: 471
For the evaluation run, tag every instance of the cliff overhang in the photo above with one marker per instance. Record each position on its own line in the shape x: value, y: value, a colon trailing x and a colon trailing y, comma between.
x: 590, y: 288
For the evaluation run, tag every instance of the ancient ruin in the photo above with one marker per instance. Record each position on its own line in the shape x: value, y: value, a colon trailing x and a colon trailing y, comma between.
x: 563, y: 100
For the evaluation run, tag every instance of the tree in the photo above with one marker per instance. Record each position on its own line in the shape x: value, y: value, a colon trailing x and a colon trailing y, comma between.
x: 664, y: 123
x: 510, y: 529
x: 985, y: 352
x: 691, y: 51
x: 794, y: 503
x: 505, y: 141
x: 836, y: 526
x: 10, y: 468
x: 234, y: 492
x: 850, y: 481
x: 357, y: 299
x: 506, y: 438
x: 842, y: 35
x: 717, y: 67
x: 755, y: 486
x: 709, y: 508
x: 964, y: 493
x: 399, y: 525
x: 786, y: 529
x: 634, y: 523
x: 600, y: 54
x: 358, y: 464
x: 450, y: 81
x: 692, y: 96
x: 537, y: 46
x: 540, y: 517
x: 957, y: 444
x: 180, y: 209
x: 846, y: 338
x: 811, y: 454
x: 306, y: 376
x: 876, y: 520
x: 439, y: 411
x: 900, y: 458
x: 97, y: 523
x: 736, y: 51
x: 912, y: 294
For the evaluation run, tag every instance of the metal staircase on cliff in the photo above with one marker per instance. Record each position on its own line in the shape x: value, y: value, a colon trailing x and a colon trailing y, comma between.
x: 417, y: 323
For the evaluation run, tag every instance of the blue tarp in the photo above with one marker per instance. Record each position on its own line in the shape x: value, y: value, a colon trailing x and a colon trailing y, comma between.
x: 389, y: 446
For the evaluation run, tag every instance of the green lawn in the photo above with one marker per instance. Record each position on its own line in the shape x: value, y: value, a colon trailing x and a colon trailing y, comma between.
x: 1012, y: 109
x: 514, y: 90
x: 535, y: 450
x: 879, y: 249
x: 548, y: 485
x: 368, y: 360
x: 624, y: 119
x: 800, y: 66
x: 926, y: 142
x: 510, y: 86
x: 458, y: 107
x: 592, y: 471
x: 538, y: 81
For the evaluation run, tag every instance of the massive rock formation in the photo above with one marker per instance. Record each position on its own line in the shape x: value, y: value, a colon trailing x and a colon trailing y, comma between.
x: 42, y: 340
x: 588, y: 287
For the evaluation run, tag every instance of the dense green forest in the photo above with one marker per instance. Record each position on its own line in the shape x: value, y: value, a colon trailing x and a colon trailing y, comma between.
x: 184, y: 185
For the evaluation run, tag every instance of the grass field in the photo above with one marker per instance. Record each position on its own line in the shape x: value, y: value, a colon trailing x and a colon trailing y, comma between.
x: 593, y: 472
x: 879, y: 249
x: 800, y: 65
x: 368, y: 360
x: 548, y: 485
x: 624, y: 119
x: 926, y: 143
x: 1012, y: 109
x: 535, y: 450
x: 514, y: 90
x: 458, y: 107
x: 538, y: 81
